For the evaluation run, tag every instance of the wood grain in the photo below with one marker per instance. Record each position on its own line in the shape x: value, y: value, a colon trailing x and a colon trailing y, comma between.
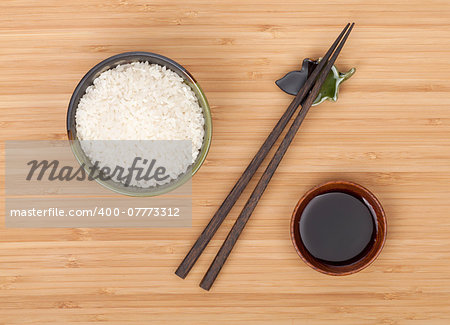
x: 389, y: 131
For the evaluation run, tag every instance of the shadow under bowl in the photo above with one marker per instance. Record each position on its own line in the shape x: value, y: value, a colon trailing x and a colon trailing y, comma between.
x: 372, y: 250
x: 125, y: 58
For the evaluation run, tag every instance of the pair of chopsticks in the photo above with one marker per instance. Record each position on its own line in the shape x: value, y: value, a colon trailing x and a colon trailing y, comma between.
x: 315, y: 81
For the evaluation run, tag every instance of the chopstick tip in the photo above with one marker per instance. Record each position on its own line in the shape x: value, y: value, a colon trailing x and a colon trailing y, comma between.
x: 181, y: 271
x: 204, y: 287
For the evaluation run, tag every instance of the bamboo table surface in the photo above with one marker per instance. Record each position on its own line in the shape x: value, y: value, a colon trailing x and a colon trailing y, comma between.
x: 389, y: 131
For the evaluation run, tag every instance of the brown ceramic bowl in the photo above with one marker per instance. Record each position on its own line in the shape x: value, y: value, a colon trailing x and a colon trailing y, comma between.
x: 372, y: 250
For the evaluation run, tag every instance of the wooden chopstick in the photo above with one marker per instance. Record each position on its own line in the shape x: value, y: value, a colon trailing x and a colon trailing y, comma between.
x: 220, y: 215
x: 246, y: 212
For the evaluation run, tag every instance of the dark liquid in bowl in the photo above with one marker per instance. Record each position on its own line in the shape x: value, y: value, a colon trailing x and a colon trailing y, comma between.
x: 337, y: 228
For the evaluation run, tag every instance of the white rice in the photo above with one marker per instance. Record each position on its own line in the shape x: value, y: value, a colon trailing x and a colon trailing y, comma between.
x: 140, y: 101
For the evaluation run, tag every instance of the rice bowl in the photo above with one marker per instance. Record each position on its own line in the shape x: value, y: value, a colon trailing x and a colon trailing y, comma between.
x: 140, y: 96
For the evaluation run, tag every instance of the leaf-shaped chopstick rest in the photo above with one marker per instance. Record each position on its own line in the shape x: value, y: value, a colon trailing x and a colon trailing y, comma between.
x: 294, y: 80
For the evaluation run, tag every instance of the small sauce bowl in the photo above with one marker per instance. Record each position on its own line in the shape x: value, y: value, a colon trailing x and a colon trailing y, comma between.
x: 368, y: 255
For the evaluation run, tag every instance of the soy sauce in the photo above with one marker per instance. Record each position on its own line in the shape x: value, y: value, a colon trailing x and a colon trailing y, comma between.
x: 337, y: 228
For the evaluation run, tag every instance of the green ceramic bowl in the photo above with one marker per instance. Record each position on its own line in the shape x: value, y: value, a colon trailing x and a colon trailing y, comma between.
x: 111, y: 63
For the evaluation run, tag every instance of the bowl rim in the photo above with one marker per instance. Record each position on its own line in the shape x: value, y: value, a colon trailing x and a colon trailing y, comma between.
x: 206, y: 109
x: 368, y: 257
